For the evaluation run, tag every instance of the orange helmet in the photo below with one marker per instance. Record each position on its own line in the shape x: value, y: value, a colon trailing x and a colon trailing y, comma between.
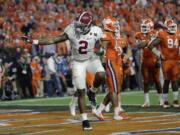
x: 147, y: 25
x: 111, y: 24
x: 170, y: 25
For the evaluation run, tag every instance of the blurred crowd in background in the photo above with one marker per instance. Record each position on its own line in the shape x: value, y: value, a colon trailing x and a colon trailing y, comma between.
x: 24, y: 70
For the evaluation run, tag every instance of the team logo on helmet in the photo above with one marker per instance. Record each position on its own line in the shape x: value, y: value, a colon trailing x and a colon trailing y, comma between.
x: 111, y: 24
x: 147, y: 25
x: 83, y: 22
x: 170, y: 25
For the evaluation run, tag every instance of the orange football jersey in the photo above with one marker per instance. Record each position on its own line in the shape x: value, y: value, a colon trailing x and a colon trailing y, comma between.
x: 115, y: 46
x: 170, y: 48
x: 146, y: 54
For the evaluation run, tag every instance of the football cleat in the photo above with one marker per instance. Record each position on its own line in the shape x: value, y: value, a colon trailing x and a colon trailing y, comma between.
x: 166, y: 104
x: 175, y: 104
x: 86, y: 125
x: 121, y: 109
x: 98, y: 115
x: 146, y: 105
x: 120, y: 117
x: 117, y: 117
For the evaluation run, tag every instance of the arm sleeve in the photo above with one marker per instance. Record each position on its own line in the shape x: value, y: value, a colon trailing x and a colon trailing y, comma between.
x: 68, y: 30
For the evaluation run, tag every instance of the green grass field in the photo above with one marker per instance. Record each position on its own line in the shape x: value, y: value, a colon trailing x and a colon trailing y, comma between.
x: 131, y: 102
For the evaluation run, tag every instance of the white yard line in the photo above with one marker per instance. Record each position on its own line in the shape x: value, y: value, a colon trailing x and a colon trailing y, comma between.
x: 4, y: 124
x: 161, y: 120
x: 161, y: 116
x: 150, y: 131
x: 173, y: 122
x: 42, y: 132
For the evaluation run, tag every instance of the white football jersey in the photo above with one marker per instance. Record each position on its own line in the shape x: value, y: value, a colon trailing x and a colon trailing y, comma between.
x: 82, y: 46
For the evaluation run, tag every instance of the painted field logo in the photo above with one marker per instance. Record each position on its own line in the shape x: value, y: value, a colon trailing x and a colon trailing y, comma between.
x: 155, y: 131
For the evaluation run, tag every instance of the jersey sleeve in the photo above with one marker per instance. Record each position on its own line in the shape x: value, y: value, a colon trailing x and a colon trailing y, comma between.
x: 68, y: 30
x: 99, y: 32
x: 106, y: 36
x: 137, y: 36
x: 160, y: 34
x: 178, y: 35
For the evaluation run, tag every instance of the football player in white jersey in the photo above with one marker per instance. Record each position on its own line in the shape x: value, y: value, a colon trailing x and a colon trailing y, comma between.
x: 82, y: 36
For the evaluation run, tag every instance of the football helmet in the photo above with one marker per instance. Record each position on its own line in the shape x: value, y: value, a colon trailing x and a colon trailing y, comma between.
x: 83, y: 22
x: 170, y: 25
x: 111, y: 24
x: 146, y: 25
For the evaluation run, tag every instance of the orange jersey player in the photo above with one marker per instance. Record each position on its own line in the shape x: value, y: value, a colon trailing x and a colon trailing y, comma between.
x: 114, y: 62
x: 169, y: 52
x: 149, y: 63
x: 114, y: 48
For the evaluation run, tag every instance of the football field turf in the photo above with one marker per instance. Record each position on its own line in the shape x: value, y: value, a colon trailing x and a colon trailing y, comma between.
x: 51, y: 116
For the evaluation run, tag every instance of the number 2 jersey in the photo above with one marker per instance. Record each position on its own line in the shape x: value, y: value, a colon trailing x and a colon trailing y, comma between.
x: 82, y: 46
x: 169, y: 45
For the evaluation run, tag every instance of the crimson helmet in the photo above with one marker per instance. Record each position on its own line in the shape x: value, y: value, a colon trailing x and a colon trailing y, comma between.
x: 83, y: 22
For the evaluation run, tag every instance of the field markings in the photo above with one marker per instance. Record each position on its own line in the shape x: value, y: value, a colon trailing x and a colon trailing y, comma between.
x: 46, y: 131
x: 78, y: 121
x: 161, y: 120
x: 4, y: 124
x: 168, y: 115
x: 154, y: 131
x: 67, y: 122
x: 172, y: 122
x: 24, y: 101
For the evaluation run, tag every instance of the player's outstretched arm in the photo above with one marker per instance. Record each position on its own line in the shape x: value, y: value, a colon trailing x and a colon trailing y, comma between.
x: 141, y: 44
x: 46, y: 41
x: 152, y: 47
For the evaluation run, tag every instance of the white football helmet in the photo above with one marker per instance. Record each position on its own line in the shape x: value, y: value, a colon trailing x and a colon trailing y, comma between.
x: 147, y: 25
x: 170, y: 25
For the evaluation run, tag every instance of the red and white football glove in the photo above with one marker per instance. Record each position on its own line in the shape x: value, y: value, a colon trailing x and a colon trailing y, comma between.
x: 28, y: 39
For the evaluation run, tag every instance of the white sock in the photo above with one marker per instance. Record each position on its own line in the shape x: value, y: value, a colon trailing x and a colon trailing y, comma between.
x: 175, y: 95
x: 74, y: 100
x: 146, y: 97
x: 165, y: 97
x: 160, y: 97
x: 101, y: 108
x: 94, y: 89
x: 119, y: 104
x: 108, y: 105
x: 116, y: 111
x: 84, y: 116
